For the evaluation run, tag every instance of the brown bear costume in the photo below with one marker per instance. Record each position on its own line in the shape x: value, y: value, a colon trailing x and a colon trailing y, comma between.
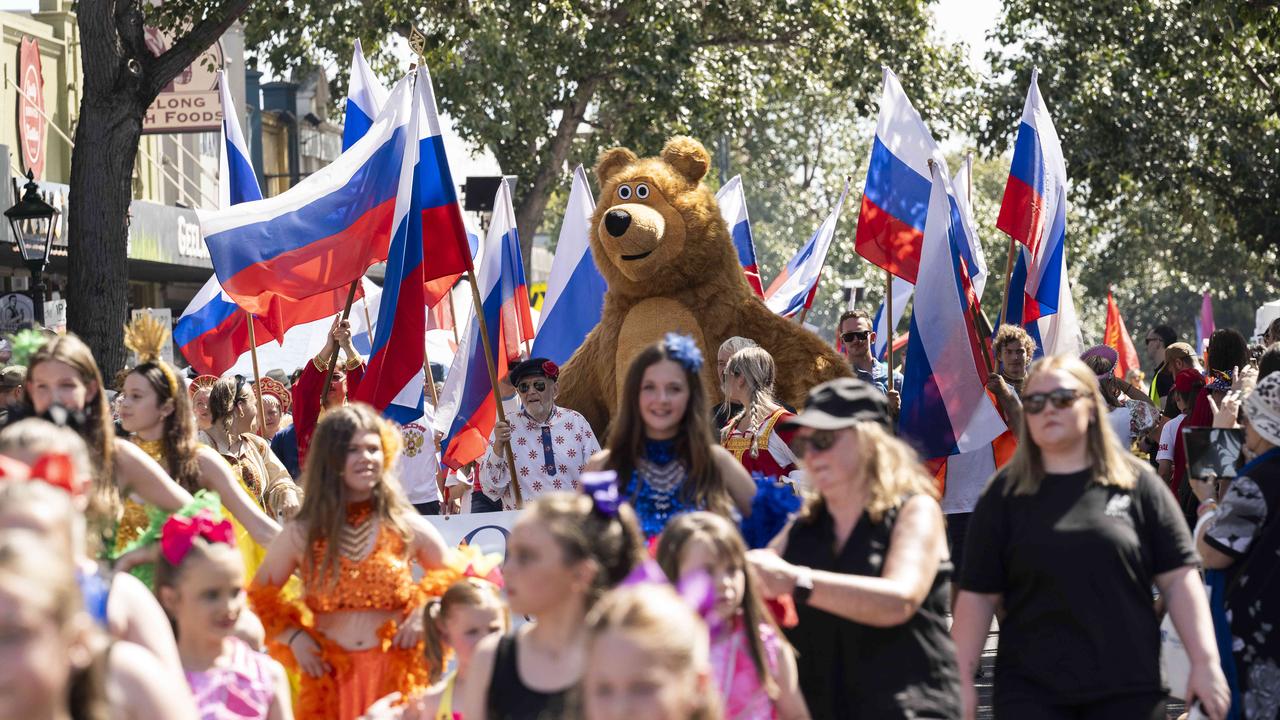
x: 665, y: 252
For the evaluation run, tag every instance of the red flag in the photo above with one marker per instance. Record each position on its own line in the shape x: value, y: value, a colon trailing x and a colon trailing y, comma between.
x: 1117, y: 337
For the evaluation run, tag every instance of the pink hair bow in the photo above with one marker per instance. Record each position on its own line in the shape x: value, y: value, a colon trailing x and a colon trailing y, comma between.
x: 179, y: 533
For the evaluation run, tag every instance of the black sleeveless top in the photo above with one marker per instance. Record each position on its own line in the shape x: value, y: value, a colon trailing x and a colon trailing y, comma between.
x: 851, y: 670
x: 510, y: 699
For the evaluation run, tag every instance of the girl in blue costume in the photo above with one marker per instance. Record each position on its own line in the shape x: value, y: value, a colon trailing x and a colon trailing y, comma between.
x: 662, y: 446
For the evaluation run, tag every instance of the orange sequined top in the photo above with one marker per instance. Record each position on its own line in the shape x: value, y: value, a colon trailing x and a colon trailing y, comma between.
x: 383, y: 580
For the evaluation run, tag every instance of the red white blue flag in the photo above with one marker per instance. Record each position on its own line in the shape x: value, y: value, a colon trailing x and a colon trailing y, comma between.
x: 733, y: 208
x: 945, y: 406
x: 468, y: 409
x: 796, y: 286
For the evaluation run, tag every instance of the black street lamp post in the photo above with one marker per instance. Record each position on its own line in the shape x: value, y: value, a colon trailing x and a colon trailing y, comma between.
x: 34, y: 222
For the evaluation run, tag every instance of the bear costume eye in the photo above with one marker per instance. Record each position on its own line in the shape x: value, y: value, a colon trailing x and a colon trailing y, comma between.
x: 624, y: 192
x: 642, y: 191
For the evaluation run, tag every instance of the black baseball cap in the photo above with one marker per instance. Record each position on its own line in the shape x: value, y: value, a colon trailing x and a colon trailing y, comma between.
x: 841, y: 403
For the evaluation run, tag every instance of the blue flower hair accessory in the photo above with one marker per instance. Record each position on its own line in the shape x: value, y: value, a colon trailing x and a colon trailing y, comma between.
x: 683, y: 350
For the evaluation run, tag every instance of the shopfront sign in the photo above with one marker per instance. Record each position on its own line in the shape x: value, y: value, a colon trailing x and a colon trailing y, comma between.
x: 190, y: 102
x: 31, y: 123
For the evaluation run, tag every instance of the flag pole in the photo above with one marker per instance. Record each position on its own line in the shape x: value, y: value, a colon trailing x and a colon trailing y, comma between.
x: 333, y: 357
x: 493, y: 380
x: 888, y: 319
x: 1008, y: 277
x: 257, y: 380
x: 454, y: 315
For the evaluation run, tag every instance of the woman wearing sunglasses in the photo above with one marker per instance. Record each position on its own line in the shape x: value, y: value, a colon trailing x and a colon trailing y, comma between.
x: 866, y: 562
x: 1074, y: 533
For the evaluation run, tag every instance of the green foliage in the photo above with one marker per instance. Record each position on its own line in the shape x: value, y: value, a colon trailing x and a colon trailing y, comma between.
x: 1169, y: 114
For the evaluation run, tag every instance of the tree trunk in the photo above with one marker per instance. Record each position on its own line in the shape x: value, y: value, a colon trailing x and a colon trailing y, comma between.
x: 101, y: 189
x: 121, y: 80
x: 531, y: 208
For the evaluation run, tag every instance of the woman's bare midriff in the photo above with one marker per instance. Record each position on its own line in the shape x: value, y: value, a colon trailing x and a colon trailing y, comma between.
x: 354, y: 630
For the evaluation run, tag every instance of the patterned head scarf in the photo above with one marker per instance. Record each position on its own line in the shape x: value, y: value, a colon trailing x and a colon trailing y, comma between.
x: 1262, y: 407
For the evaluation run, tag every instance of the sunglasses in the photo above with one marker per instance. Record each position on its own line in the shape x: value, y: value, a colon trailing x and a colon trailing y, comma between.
x: 820, y: 441
x: 1061, y: 398
x: 859, y: 335
x: 539, y: 385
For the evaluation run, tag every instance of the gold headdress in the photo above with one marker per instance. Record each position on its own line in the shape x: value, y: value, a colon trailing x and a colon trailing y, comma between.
x: 146, y: 336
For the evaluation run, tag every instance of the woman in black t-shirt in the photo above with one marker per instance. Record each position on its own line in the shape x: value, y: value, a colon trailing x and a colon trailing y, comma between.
x: 867, y: 565
x: 1075, y: 531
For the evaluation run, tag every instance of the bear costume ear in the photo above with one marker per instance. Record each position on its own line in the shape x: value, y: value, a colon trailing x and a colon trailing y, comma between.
x: 611, y: 161
x: 687, y: 156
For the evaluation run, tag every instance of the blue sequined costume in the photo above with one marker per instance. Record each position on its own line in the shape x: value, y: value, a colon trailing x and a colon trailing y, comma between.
x: 655, y: 487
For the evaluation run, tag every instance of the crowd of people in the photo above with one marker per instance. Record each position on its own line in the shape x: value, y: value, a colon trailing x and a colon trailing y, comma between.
x: 175, y: 547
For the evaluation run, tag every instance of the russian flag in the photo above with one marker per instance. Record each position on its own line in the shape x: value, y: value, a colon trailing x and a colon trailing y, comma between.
x: 1034, y: 213
x: 795, y: 287
x: 394, y: 380
x: 945, y: 406
x: 895, y: 200
x: 323, y: 233
x: 467, y: 409
x: 213, y: 332
x: 733, y: 208
x: 575, y: 291
x: 365, y: 98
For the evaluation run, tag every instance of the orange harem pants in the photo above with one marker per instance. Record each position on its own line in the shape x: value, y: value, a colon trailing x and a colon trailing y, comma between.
x: 359, y: 679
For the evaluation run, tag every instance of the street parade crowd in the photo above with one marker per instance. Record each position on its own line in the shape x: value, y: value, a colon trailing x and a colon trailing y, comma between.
x: 167, y: 553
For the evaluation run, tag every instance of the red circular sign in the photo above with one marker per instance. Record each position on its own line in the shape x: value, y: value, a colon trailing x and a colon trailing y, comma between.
x: 31, y: 122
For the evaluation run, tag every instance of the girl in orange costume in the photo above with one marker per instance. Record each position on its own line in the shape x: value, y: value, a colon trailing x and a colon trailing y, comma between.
x: 357, y: 635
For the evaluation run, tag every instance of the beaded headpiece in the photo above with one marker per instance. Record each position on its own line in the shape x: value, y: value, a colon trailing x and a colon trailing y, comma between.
x: 202, y: 382
x: 683, y: 350
x: 271, y: 386
x: 146, y: 336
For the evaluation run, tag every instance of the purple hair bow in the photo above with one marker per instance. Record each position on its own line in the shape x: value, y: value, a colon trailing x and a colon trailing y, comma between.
x: 695, y: 588
x: 602, y: 486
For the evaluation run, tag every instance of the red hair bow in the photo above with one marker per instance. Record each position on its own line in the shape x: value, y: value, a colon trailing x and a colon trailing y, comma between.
x: 179, y: 533
x: 58, y: 470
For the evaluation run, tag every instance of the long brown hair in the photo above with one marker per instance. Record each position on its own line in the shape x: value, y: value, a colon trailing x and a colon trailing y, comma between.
x: 727, y: 542
x: 97, y: 430
x: 179, y: 439
x: 1109, y: 463
x: 614, y: 542
x: 324, y: 505
x: 694, y: 439
x: 223, y: 399
x: 467, y: 592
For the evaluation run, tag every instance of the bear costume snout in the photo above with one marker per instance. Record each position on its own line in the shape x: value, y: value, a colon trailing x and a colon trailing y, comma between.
x: 617, y: 222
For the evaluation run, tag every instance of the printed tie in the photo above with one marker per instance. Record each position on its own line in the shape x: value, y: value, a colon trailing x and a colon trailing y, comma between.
x: 548, y: 452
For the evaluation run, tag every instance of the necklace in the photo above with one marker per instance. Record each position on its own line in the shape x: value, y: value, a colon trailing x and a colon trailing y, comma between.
x: 353, y: 541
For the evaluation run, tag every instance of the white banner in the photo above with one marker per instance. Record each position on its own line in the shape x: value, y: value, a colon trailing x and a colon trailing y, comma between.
x: 487, y: 531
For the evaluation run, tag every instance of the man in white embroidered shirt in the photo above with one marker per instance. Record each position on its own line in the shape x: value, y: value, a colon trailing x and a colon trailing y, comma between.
x: 551, y: 444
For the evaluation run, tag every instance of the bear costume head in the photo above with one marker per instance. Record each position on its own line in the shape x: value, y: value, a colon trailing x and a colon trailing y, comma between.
x: 658, y: 228
x: 663, y: 248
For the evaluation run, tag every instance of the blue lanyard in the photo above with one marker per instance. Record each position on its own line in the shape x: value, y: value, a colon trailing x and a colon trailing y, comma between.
x: 1264, y: 457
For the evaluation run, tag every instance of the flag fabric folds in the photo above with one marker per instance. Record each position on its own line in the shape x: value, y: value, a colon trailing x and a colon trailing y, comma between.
x: 901, y: 295
x: 365, y: 98
x: 1034, y: 213
x: 237, y: 182
x: 394, y: 380
x: 945, y: 406
x: 321, y: 234
x: 468, y: 409
x: 895, y: 199
x: 1204, y: 323
x: 1117, y: 337
x: 795, y: 287
x: 733, y: 208
x: 575, y: 290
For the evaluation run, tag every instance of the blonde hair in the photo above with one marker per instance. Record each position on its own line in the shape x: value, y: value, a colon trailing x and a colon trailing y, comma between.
x: 756, y: 368
x: 467, y: 592
x: 892, y: 473
x: 654, y: 617
x: 1109, y: 463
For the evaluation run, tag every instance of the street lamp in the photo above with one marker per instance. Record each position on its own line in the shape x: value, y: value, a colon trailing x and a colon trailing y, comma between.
x: 34, y: 222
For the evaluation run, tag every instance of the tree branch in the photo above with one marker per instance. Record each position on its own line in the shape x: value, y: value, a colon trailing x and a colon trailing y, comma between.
x: 189, y: 47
